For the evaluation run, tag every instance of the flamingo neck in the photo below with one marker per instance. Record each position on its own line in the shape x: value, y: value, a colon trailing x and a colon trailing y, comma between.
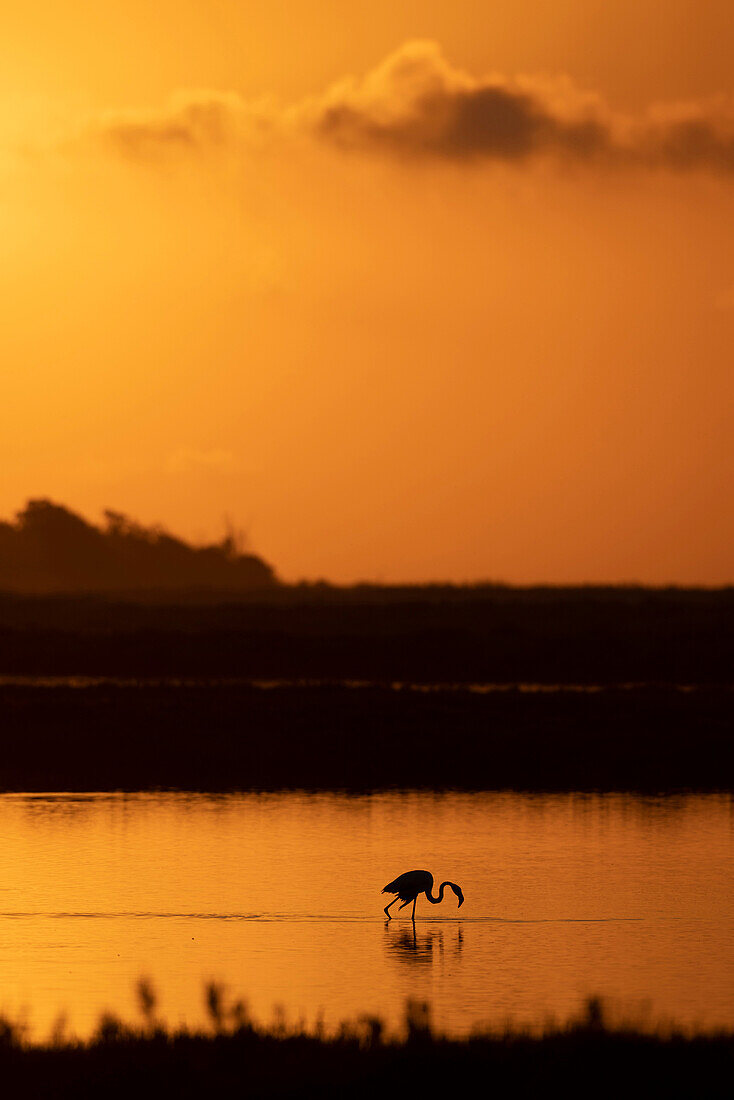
x: 429, y: 894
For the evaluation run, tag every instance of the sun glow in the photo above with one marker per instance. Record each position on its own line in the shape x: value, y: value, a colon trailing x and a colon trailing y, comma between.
x: 512, y: 364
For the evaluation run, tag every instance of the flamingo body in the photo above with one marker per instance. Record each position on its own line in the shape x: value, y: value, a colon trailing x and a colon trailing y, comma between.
x: 409, y: 885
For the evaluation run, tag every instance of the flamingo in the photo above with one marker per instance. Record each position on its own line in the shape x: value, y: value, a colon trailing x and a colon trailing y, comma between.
x: 409, y: 885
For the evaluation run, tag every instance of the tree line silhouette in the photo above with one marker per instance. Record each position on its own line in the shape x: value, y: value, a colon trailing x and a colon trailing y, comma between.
x: 49, y: 548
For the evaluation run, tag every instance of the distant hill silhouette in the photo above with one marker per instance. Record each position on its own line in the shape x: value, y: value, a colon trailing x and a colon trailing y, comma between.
x: 51, y: 549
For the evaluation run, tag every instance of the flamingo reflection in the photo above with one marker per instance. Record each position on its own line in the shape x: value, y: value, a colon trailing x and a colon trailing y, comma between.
x: 424, y: 948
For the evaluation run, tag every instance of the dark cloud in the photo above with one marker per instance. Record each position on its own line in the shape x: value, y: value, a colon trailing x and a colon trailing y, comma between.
x: 415, y: 106
x: 704, y: 139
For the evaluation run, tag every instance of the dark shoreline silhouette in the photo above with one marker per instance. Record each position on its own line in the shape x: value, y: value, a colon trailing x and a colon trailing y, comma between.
x: 430, y: 634
x: 238, y: 736
x: 197, y: 625
x: 49, y: 548
x: 233, y: 1056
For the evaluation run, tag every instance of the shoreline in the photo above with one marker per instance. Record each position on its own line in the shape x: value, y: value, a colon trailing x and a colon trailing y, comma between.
x: 200, y: 736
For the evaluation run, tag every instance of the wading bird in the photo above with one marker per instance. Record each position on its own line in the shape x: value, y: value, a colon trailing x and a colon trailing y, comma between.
x: 411, y: 884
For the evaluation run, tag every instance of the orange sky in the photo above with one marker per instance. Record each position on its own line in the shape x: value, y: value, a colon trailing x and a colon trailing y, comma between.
x: 469, y: 316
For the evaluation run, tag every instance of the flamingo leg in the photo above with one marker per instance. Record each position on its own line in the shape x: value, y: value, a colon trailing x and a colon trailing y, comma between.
x: 412, y: 915
x: 387, y: 908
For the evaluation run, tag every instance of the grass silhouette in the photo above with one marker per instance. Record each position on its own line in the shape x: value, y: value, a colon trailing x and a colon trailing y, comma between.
x: 585, y: 1056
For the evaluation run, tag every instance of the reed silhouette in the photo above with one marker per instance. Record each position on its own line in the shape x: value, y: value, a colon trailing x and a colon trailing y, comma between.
x: 412, y: 883
x: 233, y: 1055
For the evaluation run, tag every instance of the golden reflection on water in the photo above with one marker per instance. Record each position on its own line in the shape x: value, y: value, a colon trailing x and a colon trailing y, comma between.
x: 422, y: 945
x: 278, y: 896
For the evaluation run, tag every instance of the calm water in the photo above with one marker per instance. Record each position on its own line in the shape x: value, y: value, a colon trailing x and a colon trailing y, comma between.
x: 278, y: 896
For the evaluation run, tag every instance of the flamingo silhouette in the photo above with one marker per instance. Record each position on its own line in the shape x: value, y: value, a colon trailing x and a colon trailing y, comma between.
x: 409, y: 885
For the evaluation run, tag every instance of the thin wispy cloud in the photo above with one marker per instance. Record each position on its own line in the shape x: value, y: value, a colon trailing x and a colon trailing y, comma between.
x: 416, y: 107
x: 192, y: 122
x: 186, y: 460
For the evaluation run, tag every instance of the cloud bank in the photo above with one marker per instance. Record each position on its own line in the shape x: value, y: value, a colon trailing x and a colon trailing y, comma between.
x: 416, y: 107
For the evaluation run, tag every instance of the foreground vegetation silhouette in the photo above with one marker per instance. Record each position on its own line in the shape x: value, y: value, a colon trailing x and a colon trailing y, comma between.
x: 586, y: 1056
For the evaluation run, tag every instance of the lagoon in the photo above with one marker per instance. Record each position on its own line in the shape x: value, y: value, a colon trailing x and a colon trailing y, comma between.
x: 277, y: 896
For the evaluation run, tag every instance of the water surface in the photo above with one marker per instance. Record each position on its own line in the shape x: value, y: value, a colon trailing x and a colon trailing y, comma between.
x: 278, y: 896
